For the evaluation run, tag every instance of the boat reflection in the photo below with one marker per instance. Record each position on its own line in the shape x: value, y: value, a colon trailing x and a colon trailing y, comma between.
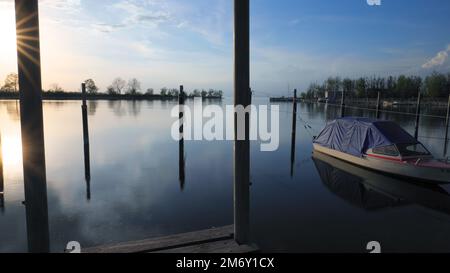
x: 371, y: 190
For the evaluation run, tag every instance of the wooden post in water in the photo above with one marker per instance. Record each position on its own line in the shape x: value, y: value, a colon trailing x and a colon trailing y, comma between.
x: 32, y: 128
x: 447, y: 120
x: 416, y: 131
x: 2, y: 186
x: 378, y: 105
x: 343, y: 103
x: 181, y: 163
x: 87, y: 156
x: 242, y: 97
x: 1, y: 167
x: 294, y: 131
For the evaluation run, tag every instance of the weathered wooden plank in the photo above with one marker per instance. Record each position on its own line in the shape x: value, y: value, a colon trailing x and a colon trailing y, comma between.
x: 161, y: 243
x: 223, y: 246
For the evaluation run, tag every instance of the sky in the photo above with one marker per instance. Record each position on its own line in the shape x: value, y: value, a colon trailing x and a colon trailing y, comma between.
x: 166, y: 43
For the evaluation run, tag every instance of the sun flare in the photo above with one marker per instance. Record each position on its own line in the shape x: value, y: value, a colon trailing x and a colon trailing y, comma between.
x: 11, y: 147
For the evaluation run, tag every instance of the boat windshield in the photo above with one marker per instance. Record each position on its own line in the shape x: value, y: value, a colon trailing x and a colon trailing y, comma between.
x: 416, y: 149
x: 390, y: 150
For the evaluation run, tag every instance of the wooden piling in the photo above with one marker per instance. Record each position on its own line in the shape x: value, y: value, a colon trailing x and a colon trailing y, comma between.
x: 378, y: 105
x: 343, y: 103
x: 447, y: 120
x: 181, y: 161
x: 416, y: 131
x: 87, y: 160
x: 1, y: 168
x: 32, y: 129
x: 242, y: 96
x: 294, y: 131
x: 2, y: 189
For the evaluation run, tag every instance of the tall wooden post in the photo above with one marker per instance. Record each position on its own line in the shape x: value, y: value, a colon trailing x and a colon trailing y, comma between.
x: 2, y: 186
x: 32, y: 128
x: 378, y: 105
x: 343, y: 103
x: 242, y: 96
x: 416, y: 131
x: 1, y: 167
x: 181, y: 163
x: 294, y: 131
x: 87, y: 156
x: 447, y: 121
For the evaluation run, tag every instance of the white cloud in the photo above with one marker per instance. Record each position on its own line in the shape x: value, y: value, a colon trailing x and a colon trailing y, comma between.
x: 438, y: 60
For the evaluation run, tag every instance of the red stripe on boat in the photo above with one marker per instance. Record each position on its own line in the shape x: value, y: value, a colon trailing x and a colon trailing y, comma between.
x: 385, y: 157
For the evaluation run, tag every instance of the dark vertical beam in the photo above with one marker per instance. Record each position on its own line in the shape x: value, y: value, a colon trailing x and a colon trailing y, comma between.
x: 181, y: 163
x: 447, y: 121
x: 2, y: 186
x: 378, y: 105
x: 242, y: 96
x: 343, y: 103
x: 416, y: 131
x: 87, y: 156
x: 32, y: 127
x: 294, y: 131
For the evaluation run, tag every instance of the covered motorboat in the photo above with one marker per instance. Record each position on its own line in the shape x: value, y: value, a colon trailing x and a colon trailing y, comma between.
x: 382, y: 146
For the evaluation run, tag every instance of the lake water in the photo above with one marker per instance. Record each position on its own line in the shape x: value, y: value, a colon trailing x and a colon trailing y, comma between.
x: 135, y: 191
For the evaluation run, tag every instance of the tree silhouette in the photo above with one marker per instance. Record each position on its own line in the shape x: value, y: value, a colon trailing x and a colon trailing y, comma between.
x: 117, y: 86
x: 55, y: 88
x: 11, y: 83
x: 134, y: 86
x: 91, y: 88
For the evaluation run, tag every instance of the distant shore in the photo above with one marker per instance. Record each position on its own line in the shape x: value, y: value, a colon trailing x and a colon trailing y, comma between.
x: 99, y: 96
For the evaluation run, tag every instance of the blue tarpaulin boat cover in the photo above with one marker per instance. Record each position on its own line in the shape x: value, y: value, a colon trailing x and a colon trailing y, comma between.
x: 355, y: 136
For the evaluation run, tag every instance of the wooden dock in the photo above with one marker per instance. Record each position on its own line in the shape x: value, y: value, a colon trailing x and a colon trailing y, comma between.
x: 214, y: 240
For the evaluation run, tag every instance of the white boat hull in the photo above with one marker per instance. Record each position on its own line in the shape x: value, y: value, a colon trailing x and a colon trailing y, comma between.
x: 399, y: 168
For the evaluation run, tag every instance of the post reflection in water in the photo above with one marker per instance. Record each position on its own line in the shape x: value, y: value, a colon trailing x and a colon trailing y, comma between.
x: 32, y: 128
x: 375, y: 191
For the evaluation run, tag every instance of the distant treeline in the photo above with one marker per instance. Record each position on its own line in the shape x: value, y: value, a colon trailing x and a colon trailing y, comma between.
x: 119, y: 88
x: 436, y: 85
x: 59, y: 95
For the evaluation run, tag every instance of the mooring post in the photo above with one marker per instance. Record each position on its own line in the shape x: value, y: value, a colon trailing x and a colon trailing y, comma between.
x: 447, y: 120
x: 87, y: 156
x: 1, y: 168
x: 294, y: 131
x: 416, y: 131
x: 181, y: 163
x: 242, y: 97
x: 2, y: 189
x: 343, y: 103
x: 378, y: 105
x: 32, y: 128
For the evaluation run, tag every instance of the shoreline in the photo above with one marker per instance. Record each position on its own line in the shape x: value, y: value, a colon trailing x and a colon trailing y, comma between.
x: 79, y: 96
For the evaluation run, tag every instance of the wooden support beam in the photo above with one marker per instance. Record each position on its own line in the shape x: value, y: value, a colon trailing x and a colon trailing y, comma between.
x: 242, y: 97
x: 32, y: 127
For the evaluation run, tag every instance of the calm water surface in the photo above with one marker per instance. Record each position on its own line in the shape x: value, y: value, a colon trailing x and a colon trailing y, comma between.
x: 135, y: 192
